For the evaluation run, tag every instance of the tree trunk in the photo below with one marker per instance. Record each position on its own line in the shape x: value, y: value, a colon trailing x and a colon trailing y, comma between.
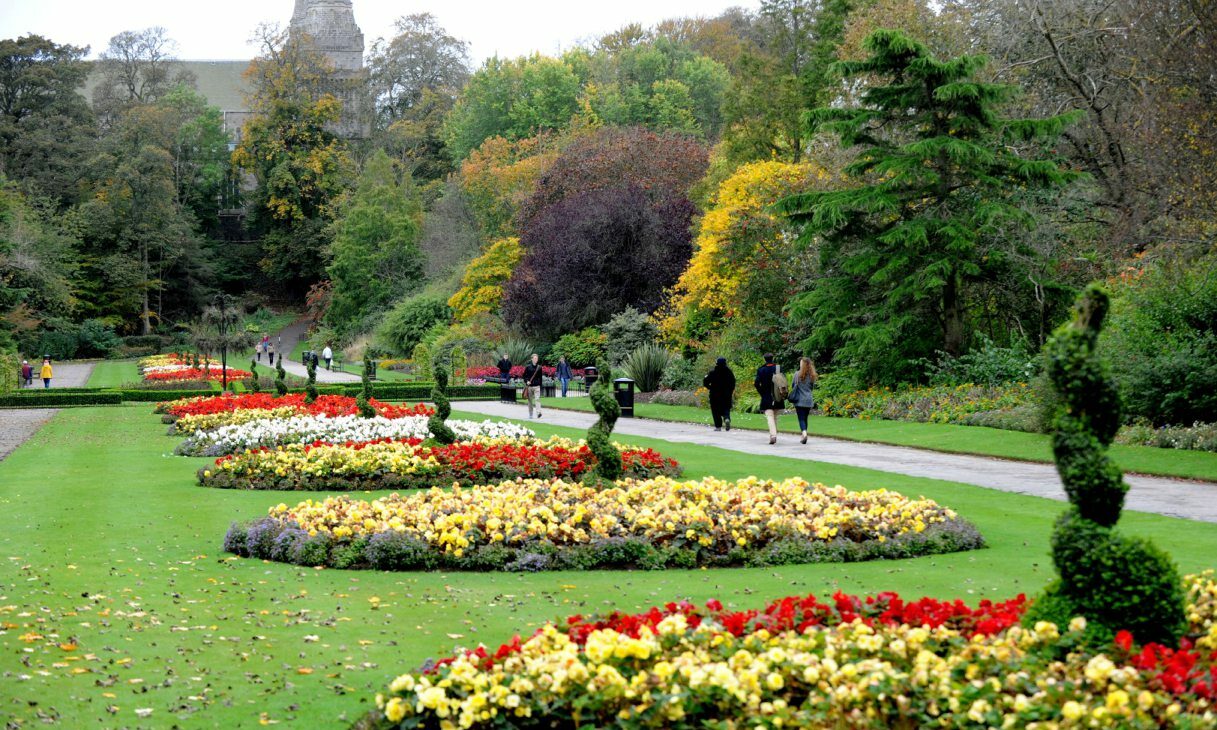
x: 952, y: 316
x: 144, y: 314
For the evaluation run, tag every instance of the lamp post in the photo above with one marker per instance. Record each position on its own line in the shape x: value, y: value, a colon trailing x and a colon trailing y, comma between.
x: 221, y: 303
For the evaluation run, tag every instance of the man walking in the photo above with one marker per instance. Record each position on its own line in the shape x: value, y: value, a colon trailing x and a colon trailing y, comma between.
x: 532, y: 385
x: 27, y: 374
x: 564, y: 374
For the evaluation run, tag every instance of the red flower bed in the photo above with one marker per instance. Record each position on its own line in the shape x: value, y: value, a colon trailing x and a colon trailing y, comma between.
x: 328, y: 405
x: 1182, y: 671
x: 517, y: 371
x: 790, y: 613
x: 198, y: 374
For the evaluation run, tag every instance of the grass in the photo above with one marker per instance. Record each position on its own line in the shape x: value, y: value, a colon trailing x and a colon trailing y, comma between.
x: 114, y: 374
x: 937, y: 437
x: 116, y: 597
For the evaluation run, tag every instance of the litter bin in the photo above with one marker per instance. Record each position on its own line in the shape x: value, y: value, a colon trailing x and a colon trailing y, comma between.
x: 372, y: 370
x: 308, y: 356
x: 623, y: 390
x: 590, y: 376
x: 507, y: 392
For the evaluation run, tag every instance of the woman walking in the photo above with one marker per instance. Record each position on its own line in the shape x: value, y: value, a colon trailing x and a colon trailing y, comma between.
x: 47, y: 372
x: 721, y: 383
x: 770, y: 401
x: 564, y: 373
x: 801, y: 392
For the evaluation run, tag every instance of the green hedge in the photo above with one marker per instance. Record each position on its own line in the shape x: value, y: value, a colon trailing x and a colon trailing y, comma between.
x: 51, y: 398
x: 156, y: 396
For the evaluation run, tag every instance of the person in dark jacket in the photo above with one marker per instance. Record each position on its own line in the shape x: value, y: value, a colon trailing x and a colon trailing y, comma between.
x: 533, y: 376
x: 721, y: 383
x: 27, y: 374
x: 564, y: 374
x: 802, y: 395
x: 764, y: 387
x: 505, y: 369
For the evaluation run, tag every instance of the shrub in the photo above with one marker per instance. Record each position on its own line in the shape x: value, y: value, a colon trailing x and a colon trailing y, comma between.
x: 677, y: 398
x: 580, y: 348
x: 646, y: 366
x: 518, y: 351
x: 482, y: 283
x: 1113, y: 581
x: 680, y: 374
x: 96, y: 339
x: 987, y: 364
x: 627, y: 331
x: 407, y: 323
x: 396, y: 551
x: 1197, y: 437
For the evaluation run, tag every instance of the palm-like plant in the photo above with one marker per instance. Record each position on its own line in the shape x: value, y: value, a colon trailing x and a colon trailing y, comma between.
x: 645, y: 366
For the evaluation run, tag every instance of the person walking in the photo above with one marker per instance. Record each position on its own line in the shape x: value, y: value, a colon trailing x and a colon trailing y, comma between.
x: 801, y: 395
x: 270, y: 352
x: 770, y: 400
x: 261, y: 348
x: 533, y: 375
x: 47, y: 372
x: 328, y: 355
x: 27, y: 374
x: 721, y: 383
x: 564, y: 374
x: 504, y: 369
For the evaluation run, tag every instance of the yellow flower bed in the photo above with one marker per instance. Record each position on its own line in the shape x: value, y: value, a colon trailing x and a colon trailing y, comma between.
x: 208, y: 421
x: 1202, y: 609
x: 657, y: 522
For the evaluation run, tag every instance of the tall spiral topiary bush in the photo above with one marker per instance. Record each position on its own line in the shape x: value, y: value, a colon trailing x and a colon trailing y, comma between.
x: 443, y: 408
x: 310, y: 390
x: 599, y: 436
x: 254, y: 385
x: 1114, y: 581
x: 280, y: 376
x: 363, y: 401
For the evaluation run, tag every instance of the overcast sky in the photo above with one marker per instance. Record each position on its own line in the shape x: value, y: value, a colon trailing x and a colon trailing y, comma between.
x: 220, y: 29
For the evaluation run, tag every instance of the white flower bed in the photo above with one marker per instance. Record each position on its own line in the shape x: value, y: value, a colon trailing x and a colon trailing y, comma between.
x: 306, y: 429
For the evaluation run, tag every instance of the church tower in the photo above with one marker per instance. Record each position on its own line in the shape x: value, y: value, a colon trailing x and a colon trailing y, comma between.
x: 329, y: 28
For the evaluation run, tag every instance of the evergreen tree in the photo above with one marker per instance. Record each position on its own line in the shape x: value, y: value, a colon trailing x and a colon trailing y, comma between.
x: 364, y: 400
x: 280, y: 377
x: 310, y: 390
x: 254, y: 385
x: 940, y: 174
x: 375, y: 254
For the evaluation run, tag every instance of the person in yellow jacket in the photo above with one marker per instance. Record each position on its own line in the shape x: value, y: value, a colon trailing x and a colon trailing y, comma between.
x: 47, y: 372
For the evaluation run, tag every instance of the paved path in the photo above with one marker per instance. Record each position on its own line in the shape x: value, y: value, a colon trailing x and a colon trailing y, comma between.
x: 17, y: 425
x: 293, y: 334
x: 1162, y: 495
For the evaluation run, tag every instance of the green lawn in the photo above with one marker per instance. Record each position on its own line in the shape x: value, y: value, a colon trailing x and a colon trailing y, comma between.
x: 116, y: 597
x: 114, y: 373
x: 937, y: 437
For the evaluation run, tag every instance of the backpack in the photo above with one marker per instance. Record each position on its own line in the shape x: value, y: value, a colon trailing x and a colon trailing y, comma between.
x: 781, y: 388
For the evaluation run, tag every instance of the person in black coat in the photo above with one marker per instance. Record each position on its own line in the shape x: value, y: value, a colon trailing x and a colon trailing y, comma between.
x: 764, y: 387
x: 505, y: 369
x: 721, y: 383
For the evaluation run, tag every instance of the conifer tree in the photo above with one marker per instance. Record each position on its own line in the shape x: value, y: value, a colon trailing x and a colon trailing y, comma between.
x: 280, y: 377
x: 940, y: 174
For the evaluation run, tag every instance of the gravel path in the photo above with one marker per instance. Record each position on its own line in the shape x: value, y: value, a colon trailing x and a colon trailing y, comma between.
x: 17, y: 425
x: 1161, y: 495
x: 290, y: 337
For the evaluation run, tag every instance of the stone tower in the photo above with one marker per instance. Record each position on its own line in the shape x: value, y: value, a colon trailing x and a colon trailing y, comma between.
x: 328, y: 27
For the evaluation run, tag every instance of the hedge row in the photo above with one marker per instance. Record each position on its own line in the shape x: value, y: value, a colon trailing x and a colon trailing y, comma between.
x: 41, y: 398
x: 50, y: 399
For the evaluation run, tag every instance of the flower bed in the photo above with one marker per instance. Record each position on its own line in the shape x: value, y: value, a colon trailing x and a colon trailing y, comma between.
x: 171, y: 367
x: 262, y: 406
x: 517, y: 371
x: 406, y: 464
x: 653, y: 523
x: 927, y: 404
x: 879, y: 662
x: 271, y: 432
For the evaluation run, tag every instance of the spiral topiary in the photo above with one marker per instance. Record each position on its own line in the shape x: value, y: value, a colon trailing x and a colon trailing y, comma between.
x: 280, y: 377
x: 310, y: 390
x: 364, y: 400
x: 1114, y: 581
x: 599, y: 437
x: 254, y: 385
x: 443, y: 408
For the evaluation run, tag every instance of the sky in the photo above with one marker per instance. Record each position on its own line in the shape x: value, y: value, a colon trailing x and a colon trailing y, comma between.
x: 220, y: 29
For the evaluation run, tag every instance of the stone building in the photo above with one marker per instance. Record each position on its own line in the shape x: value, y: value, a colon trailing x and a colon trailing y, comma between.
x: 329, y: 27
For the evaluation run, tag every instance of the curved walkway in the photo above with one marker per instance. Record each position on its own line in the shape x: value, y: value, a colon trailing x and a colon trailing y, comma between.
x: 1161, y: 495
x: 18, y: 424
x: 289, y: 337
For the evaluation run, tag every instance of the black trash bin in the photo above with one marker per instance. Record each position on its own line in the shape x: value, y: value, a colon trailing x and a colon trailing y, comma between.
x: 623, y: 390
x: 372, y: 369
x: 507, y: 391
x: 590, y: 376
x: 307, y: 356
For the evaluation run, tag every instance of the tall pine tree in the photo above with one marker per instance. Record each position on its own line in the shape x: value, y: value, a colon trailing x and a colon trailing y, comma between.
x: 940, y: 175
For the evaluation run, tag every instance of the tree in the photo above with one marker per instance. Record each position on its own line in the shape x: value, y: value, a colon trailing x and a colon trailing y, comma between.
x: 300, y: 164
x: 36, y: 265
x: 622, y: 246
x: 46, y: 127
x: 375, y: 257
x: 939, y: 172
x: 481, y: 289
x: 416, y: 76
x: 137, y: 68
x: 661, y: 164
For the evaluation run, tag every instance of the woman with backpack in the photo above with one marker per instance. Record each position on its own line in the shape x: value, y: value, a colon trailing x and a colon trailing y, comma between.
x: 801, y: 392
x: 771, y: 385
